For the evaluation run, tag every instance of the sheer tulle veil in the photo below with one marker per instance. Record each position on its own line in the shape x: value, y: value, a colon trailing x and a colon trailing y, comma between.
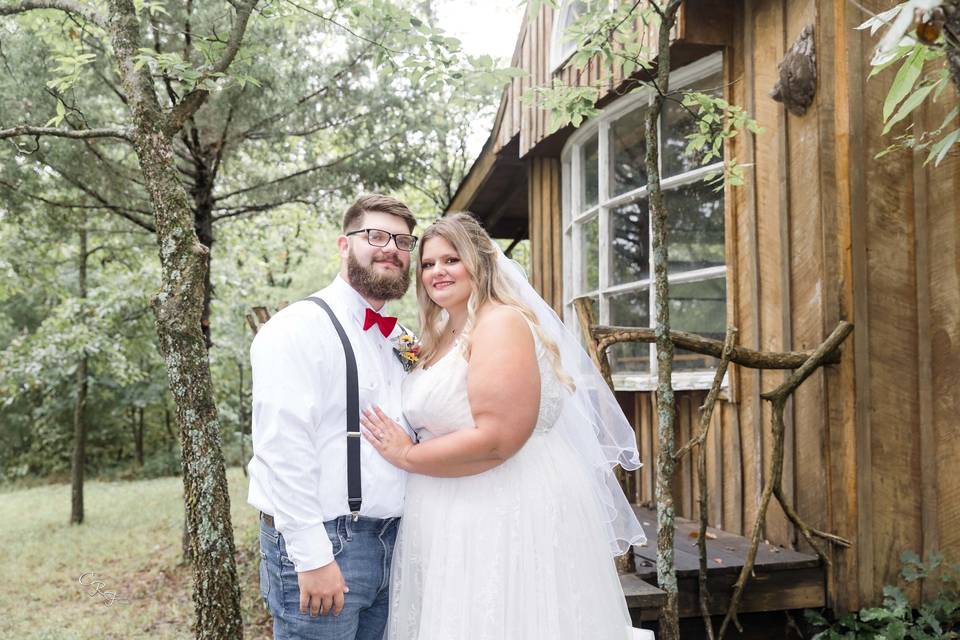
x: 591, y: 421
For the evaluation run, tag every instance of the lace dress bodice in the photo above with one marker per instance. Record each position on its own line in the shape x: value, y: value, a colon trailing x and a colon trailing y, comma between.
x: 435, y: 400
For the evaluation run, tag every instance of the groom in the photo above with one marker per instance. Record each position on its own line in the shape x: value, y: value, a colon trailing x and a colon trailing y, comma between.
x: 329, y: 503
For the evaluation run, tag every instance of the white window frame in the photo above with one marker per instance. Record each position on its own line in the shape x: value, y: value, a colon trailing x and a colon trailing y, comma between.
x: 570, y: 159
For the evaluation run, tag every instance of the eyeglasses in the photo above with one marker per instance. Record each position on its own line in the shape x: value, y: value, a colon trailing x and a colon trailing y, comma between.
x: 380, y: 238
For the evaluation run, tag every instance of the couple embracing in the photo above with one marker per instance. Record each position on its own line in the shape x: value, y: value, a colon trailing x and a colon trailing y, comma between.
x: 469, y: 498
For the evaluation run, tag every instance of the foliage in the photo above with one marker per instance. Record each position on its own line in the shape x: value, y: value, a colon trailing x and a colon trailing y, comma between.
x: 896, y: 619
x: 922, y: 77
x: 717, y: 121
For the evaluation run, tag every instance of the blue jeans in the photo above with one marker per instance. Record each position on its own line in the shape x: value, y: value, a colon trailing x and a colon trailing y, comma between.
x: 363, y: 550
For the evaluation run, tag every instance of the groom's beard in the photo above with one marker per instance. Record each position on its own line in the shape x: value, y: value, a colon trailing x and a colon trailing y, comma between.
x: 379, y: 286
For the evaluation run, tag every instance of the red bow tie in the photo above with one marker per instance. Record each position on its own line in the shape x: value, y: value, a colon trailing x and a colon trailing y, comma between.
x: 385, y: 323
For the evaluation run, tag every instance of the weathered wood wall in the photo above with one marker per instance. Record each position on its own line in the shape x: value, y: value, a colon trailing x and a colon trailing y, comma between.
x: 546, y: 233
x: 821, y: 231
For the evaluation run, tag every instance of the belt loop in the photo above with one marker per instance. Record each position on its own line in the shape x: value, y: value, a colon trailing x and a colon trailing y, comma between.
x: 346, y: 526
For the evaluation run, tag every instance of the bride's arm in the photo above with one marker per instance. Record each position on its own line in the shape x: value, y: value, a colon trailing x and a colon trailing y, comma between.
x: 503, y: 386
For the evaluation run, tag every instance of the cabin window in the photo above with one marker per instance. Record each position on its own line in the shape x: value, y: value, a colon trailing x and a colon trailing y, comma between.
x: 562, y: 47
x: 608, y: 234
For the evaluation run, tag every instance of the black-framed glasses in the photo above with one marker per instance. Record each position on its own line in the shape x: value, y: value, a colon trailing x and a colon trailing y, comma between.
x: 381, y: 238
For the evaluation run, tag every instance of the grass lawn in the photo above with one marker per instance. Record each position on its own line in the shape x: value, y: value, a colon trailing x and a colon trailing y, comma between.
x: 131, y: 542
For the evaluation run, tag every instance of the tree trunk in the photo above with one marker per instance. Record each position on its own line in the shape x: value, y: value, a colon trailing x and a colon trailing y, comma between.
x: 78, y: 457
x: 242, y: 418
x: 178, y: 307
x: 666, y: 432
x: 138, y: 434
x: 202, y: 194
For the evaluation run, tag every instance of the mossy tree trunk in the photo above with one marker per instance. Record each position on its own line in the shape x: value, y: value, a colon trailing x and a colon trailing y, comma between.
x: 179, y: 308
x: 669, y: 618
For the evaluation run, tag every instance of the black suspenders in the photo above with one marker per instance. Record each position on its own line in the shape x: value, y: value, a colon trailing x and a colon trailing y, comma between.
x: 354, y: 496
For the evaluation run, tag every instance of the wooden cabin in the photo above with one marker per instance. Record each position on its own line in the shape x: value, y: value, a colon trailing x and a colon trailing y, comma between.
x: 821, y: 231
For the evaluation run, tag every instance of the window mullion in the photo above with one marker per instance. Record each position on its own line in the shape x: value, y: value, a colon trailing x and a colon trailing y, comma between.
x: 603, y: 220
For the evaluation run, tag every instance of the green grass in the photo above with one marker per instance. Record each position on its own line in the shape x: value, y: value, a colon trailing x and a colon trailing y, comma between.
x: 131, y: 541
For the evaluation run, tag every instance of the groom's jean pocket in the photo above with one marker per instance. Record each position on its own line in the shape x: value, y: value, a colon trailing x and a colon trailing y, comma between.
x: 279, y: 584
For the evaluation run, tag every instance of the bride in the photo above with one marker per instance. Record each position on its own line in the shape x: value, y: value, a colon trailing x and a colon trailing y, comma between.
x: 512, y: 512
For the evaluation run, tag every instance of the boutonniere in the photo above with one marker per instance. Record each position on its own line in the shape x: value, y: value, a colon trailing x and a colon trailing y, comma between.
x: 407, y: 350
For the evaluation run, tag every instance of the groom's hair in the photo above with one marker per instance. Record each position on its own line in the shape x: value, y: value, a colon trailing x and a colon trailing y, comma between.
x: 379, y: 203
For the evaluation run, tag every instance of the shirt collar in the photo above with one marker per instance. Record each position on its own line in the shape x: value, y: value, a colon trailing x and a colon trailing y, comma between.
x: 356, y: 304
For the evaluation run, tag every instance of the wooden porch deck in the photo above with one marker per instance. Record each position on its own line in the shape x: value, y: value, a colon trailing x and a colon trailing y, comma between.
x: 783, y: 579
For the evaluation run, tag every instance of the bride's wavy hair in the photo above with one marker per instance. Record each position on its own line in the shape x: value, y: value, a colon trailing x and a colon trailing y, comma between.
x: 479, y: 256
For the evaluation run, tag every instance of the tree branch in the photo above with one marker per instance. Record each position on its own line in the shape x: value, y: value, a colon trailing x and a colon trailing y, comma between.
x: 743, y: 356
x: 773, y: 487
x: 77, y: 134
x: 259, y: 208
x: 89, y: 13
x: 303, y: 172
x: 124, y: 212
x: 185, y: 109
x: 273, y: 118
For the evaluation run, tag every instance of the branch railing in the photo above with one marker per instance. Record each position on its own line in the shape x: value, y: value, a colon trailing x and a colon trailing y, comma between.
x: 599, y: 339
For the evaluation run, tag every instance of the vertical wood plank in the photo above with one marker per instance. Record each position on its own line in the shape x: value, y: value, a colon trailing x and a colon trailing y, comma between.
x: 928, y: 466
x: 786, y: 297
x: 546, y: 220
x: 768, y: 50
x: 943, y: 265
x: 557, y: 195
x: 645, y: 429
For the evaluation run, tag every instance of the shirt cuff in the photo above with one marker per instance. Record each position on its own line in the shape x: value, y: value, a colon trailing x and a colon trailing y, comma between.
x: 308, y: 548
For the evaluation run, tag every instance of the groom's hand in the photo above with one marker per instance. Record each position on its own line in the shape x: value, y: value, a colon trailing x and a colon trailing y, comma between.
x: 321, y: 590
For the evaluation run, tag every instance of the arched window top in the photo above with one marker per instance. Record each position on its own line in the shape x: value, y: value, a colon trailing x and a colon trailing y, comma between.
x: 561, y: 46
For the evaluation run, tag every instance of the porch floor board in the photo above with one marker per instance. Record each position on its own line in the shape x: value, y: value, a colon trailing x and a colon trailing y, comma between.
x: 783, y: 579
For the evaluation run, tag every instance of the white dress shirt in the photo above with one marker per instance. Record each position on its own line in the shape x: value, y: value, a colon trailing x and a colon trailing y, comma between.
x: 298, y: 473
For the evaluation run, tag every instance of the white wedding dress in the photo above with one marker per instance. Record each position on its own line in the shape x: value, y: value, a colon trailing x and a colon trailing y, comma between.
x: 515, y: 553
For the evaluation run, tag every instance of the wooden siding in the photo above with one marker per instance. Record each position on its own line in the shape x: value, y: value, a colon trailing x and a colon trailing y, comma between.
x: 546, y: 233
x: 821, y: 231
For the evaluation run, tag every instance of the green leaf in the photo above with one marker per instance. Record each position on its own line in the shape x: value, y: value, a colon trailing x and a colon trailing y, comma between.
x: 939, y: 150
x: 903, y: 82
x: 915, y: 100
x: 950, y: 116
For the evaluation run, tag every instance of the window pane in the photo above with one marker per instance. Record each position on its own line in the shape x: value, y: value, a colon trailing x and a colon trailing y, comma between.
x: 571, y: 13
x: 701, y: 308
x: 676, y: 123
x: 630, y: 244
x: 630, y: 309
x: 694, y: 227
x: 589, y: 173
x: 589, y: 256
x: 628, y: 153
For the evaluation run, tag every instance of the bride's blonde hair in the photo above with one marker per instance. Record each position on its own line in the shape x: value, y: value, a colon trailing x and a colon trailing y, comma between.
x: 479, y: 257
